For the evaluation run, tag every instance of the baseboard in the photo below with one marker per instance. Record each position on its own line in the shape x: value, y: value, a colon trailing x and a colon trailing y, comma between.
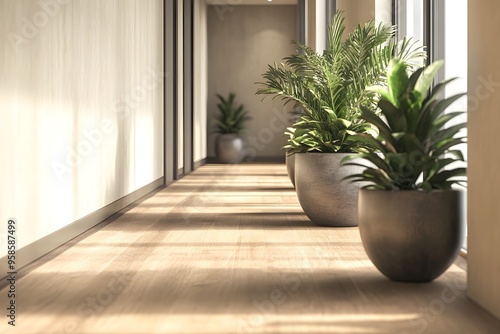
x: 200, y: 163
x: 259, y: 160
x: 180, y: 173
x: 45, y: 245
x: 270, y: 160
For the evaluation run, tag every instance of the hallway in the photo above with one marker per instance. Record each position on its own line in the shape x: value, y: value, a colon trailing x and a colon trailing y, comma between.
x: 227, y: 249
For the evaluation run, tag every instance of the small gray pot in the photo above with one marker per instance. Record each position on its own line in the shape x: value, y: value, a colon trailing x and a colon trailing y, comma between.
x: 325, y: 198
x: 290, y: 167
x: 229, y: 148
x: 411, y: 236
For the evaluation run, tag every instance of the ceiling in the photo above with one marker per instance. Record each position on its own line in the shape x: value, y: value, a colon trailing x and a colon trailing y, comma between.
x: 250, y: 2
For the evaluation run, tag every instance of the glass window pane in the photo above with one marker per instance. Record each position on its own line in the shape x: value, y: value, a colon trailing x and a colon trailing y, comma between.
x: 410, y: 20
x: 455, y: 56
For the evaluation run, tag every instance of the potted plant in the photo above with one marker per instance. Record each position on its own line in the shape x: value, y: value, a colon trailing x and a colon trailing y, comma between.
x: 330, y: 87
x: 410, y: 217
x: 296, y: 115
x: 229, y: 124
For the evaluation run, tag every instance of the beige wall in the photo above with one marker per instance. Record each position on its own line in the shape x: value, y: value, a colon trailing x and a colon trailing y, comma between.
x: 241, y: 43
x: 311, y: 24
x: 483, y: 157
x: 356, y: 12
x: 81, y: 100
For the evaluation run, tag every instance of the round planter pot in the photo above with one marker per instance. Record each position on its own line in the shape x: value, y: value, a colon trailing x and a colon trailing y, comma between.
x: 411, y: 236
x: 229, y: 148
x: 325, y: 198
x: 290, y: 167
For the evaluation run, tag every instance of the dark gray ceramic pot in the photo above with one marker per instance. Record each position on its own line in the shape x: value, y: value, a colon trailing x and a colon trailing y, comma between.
x: 411, y: 236
x: 229, y: 148
x: 290, y: 167
x: 325, y: 198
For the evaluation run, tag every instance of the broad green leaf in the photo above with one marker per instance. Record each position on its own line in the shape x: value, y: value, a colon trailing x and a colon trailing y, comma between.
x: 394, y: 116
x: 448, y: 174
x: 383, y: 91
x: 384, y: 130
x: 397, y: 80
x: 414, y: 77
x: 424, y: 82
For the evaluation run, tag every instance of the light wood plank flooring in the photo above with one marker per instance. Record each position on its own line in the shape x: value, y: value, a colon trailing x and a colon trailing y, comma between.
x: 228, y: 249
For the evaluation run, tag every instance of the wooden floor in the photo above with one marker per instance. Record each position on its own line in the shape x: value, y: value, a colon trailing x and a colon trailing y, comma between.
x: 228, y: 249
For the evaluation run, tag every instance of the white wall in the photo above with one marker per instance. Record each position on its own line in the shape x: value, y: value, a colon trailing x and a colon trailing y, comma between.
x: 200, y: 81
x: 316, y: 25
x: 180, y: 84
x: 81, y: 100
x: 321, y: 26
x: 383, y: 11
x: 241, y: 43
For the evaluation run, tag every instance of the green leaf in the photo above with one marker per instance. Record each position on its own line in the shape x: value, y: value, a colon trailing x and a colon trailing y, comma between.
x: 397, y: 80
x: 444, y: 104
x: 376, y: 176
x: 448, y: 132
x: 331, y: 87
x: 426, y: 186
x: 370, y: 141
x: 414, y: 78
x: 394, y: 116
x: 444, y: 176
x: 443, y: 146
x: 442, y: 120
x: 383, y: 91
x: 424, y: 82
x: 457, y: 155
x: 231, y: 117
x: 384, y: 130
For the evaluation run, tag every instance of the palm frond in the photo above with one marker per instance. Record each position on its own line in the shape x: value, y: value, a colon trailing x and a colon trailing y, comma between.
x: 332, y: 85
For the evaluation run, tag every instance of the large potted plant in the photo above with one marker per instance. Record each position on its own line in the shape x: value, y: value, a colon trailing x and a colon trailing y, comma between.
x: 410, y: 217
x: 230, y: 125
x: 330, y: 87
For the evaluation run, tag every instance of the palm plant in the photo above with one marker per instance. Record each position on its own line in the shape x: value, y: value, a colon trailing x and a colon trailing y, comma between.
x: 330, y: 87
x: 231, y: 117
x: 416, y: 146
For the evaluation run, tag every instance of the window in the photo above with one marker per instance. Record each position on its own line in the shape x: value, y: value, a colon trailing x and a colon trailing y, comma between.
x: 410, y: 19
x: 441, y: 25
